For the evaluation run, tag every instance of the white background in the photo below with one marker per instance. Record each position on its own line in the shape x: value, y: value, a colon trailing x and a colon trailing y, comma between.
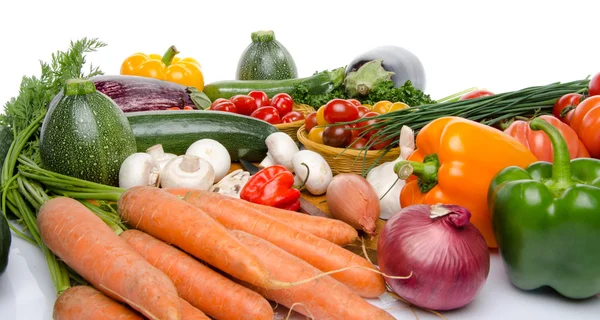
x: 498, y: 45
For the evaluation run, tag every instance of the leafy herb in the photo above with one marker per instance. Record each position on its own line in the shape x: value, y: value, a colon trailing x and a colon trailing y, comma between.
x: 382, y: 91
x: 36, y: 93
x: 406, y: 93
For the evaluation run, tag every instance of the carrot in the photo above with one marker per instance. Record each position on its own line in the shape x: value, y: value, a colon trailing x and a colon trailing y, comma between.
x: 334, y: 230
x: 170, y: 219
x: 203, y: 287
x: 318, y: 252
x: 322, y: 298
x: 85, y: 302
x: 189, y: 312
x: 100, y: 256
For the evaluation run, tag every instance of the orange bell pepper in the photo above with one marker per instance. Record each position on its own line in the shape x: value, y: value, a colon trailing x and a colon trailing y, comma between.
x: 186, y: 71
x: 454, y: 163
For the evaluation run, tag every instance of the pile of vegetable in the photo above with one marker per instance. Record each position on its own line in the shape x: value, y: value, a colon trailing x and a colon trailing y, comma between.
x: 139, y: 159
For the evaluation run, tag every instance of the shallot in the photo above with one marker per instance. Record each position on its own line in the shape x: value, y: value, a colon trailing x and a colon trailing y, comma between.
x: 352, y: 199
x: 446, y: 254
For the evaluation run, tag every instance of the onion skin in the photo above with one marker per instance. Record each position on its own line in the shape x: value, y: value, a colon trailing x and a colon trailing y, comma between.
x: 352, y: 199
x: 448, y: 256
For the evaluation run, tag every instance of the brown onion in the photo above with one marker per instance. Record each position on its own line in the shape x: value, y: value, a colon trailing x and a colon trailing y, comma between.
x: 352, y: 199
x: 447, y: 255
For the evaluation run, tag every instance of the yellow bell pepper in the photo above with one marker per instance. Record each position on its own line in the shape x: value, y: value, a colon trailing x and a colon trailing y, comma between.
x: 168, y: 67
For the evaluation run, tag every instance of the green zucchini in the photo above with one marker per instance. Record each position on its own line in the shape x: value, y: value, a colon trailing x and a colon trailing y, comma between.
x: 266, y: 59
x: 85, y: 134
x: 317, y: 84
x: 243, y: 136
x: 5, y: 240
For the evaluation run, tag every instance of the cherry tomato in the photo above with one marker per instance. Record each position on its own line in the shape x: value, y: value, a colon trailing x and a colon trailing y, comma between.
x: 565, y: 105
x: 292, y: 116
x: 362, y: 110
x: 244, y: 104
x: 476, y: 94
x: 381, y: 107
x: 262, y: 100
x: 354, y: 102
x: 368, y: 106
x: 594, y: 86
x: 283, y: 103
x: 268, y: 114
x: 219, y: 100
x: 188, y: 108
x: 358, y: 143
x: 316, y: 135
x: 339, y: 110
x: 381, y: 145
x: 173, y: 108
x: 226, y: 106
x: 366, y: 123
x: 311, y: 121
x: 398, y: 106
x: 321, y: 116
x: 337, y: 136
x: 355, y: 130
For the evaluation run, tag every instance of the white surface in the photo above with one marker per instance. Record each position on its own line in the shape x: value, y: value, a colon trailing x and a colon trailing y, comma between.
x: 26, y: 293
x: 499, y: 45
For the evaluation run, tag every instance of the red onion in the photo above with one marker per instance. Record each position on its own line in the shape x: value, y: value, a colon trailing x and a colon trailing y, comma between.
x: 447, y: 255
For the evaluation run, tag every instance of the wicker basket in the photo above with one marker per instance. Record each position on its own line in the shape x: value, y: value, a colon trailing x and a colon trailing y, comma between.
x: 291, y: 128
x: 351, y: 160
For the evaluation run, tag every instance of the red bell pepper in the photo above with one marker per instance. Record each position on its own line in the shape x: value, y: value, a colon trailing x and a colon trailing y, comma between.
x: 272, y: 186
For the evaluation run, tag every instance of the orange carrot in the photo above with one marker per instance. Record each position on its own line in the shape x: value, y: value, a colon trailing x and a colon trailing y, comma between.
x: 189, y: 312
x: 177, y: 222
x: 322, y: 298
x: 318, y: 252
x: 204, y: 288
x: 85, y: 302
x: 334, y: 230
x: 92, y: 249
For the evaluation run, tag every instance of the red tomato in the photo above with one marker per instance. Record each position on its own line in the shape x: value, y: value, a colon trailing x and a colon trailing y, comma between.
x: 359, y: 143
x: 568, y: 101
x: 362, y: 110
x: 262, y: 100
x: 381, y: 145
x: 244, y: 104
x: 226, y: 106
x: 355, y: 131
x: 268, y: 114
x: 337, y: 136
x: 354, y: 102
x: 364, y: 124
x: 219, y: 100
x: 292, y: 116
x: 311, y: 121
x: 594, y: 86
x: 476, y: 94
x: 586, y: 122
x: 539, y: 143
x: 340, y: 110
x: 283, y: 103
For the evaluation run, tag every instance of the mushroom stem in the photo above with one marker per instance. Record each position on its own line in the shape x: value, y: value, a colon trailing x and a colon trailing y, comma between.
x: 190, y: 163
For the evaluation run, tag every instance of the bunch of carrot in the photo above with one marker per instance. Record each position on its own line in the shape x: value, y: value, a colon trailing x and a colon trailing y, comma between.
x: 194, y: 254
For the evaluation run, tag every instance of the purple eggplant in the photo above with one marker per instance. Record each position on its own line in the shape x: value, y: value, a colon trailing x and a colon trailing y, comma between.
x: 133, y: 93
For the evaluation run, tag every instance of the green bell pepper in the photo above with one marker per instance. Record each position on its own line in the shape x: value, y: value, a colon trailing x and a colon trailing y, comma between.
x: 546, y: 219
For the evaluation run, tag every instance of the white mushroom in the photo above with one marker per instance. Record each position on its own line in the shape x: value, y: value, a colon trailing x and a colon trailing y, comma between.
x: 188, y: 172
x: 281, y: 150
x: 139, y: 169
x: 213, y: 152
x: 320, y: 173
x: 158, y: 153
x: 385, y: 181
x: 232, y: 184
